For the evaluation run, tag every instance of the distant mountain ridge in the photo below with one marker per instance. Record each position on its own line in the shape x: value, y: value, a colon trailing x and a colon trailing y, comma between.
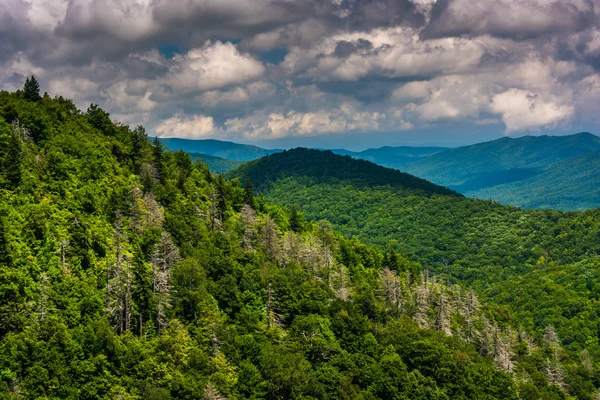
x: 392, y: 157
x: 514, y: 171
x: 459, y: 165
x: 521, y: 172
x: 217, y: 148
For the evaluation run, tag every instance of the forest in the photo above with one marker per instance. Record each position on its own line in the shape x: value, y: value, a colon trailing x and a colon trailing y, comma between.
x: 131, y: 272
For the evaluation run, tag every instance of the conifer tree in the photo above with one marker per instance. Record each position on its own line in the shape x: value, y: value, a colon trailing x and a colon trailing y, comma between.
x: 248, y: 193
x: 31, y: 89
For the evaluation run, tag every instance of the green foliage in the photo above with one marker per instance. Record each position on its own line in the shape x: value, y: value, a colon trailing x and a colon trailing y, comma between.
x: 536, y: 267
x: 31, y: 89
x: 128, y: 271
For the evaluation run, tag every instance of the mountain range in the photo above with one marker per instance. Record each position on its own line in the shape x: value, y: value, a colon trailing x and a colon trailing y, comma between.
x: 128, y: 271
x: 531, y: 172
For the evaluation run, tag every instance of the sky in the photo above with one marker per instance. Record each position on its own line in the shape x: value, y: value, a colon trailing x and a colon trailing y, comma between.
x: 320, y: 73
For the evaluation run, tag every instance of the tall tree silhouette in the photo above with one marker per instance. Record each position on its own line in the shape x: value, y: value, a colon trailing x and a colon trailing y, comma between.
x: 31, y: 89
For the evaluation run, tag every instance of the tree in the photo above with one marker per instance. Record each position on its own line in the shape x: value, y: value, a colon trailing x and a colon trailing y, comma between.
x: 31, y: 89
x: 11, y: 155
x: 248, y: 193
x: 166, y: 254
x: 297, y: 220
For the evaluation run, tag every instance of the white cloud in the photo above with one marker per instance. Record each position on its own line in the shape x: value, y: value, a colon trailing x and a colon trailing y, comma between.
x: 194, y: 127
x: 522, y: 110
x: 212, y: 66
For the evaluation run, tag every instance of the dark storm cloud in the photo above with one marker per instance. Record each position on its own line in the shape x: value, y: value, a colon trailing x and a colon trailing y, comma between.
x: 346, y: 48
x: 517, y: 20
x: 111, y: 29
x: 287, y: 67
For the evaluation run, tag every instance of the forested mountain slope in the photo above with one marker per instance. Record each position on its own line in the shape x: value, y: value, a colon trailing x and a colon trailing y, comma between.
x: 457, y: 166
x: 542, y: 265
x: 217, y: 148
x: 216, y: 164
x: 570, y: 184
x: 326, y: 167
x: 518, y: 171
x: 130, y: 272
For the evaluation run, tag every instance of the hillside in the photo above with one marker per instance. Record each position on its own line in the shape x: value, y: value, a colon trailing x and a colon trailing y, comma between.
x: 325, y: 167
x: 488, y: 246
x: 217, y: 148
x: 569, y: 184
x: 507, y: 170
x: 216, y: 164
x: 458, y: 166
x: 130, y: 272
x: 391, y: 157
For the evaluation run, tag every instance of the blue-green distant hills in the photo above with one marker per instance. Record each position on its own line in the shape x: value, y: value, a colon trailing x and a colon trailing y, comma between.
x: 218, y: 148
x: 217, y: 164
x: 559, y: 172
x: 532, y: 172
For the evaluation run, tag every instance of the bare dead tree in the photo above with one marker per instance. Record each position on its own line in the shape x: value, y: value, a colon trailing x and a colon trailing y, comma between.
x: 271, y: 238
x: 503, y: 350
x: 63, y: 245
x: 214, y: 212
x: 471, y: 308
x: 422, y: 305
x: 248, y: 218
x: 272, y: 318
x: 211, y: 393
x: 117, y: 277
x: 164, y: 258
x: 442, y: 319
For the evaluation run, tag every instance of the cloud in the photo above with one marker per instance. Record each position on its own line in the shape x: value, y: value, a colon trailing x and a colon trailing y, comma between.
x: 195, y: 127
x: 201, y: 68
x: 522, y: 110
x: 212, y: 66
x: 514, y: 19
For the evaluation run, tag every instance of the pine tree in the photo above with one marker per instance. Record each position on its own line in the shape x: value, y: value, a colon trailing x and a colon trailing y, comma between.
x: 248, y: 193
x: 31, y: 89
x: 296, y: 220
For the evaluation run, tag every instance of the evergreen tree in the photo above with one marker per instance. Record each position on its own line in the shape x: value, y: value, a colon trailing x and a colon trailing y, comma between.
x: 248, y: 193
x: 31, y: 89
x: 296, y: 220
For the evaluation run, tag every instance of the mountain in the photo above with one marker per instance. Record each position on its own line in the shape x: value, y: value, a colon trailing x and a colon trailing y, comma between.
x: 570, y: 184
x: 463, y: 165
x: 217, y: 148
x: 130, y: 272
x: 531, y: 262
x: 391, y: 157
x: 216, y: 164
x: 326, y: 167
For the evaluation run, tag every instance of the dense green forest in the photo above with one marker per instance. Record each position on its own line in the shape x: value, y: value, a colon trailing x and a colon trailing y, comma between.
x: 216, y: 164
x: 131, y: 272
x: 541, y: 267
